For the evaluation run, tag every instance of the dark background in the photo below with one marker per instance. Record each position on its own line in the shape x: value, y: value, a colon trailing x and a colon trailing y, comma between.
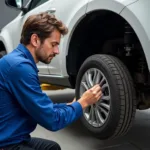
x: 7, y: 14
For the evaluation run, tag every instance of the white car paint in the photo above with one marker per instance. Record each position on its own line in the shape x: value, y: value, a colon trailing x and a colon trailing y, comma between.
x: 112, y: 5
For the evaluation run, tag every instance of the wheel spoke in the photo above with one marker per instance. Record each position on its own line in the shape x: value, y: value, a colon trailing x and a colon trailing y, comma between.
x: 84, y: 85
x: 106, y: 98
x: 99, y: 116
x: 103, y: 79
x: 104, y: 111
x: 88, y: 78
x: 105, y: 106
x: 104, y: 86
x: 91, y: 117
x: 97, y: 78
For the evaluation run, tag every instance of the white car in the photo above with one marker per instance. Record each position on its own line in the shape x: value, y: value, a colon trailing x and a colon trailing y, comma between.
x: 108, y: 43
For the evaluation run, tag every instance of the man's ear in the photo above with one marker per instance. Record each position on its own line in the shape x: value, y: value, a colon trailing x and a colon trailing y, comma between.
x: 35, y: 40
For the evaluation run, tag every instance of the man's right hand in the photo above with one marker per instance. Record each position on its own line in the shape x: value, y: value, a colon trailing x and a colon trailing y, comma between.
x: 91, y: 96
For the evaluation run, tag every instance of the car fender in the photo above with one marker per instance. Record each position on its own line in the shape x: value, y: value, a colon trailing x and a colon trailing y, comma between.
x: 77, y: 15
x: 112, y: 5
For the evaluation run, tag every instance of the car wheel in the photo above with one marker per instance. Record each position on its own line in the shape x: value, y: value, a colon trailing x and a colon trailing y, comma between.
x: 113, y: 114
x: 2, y: 53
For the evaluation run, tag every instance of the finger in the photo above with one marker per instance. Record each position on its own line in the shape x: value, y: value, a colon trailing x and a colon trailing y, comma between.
x: 99, y: 97
x: 94, y: 87
x: 97, y: 86
x: 100, y: 93
x: 96, y: 91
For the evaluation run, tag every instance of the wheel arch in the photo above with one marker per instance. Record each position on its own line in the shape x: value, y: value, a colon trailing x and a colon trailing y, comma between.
x: 74, y: 54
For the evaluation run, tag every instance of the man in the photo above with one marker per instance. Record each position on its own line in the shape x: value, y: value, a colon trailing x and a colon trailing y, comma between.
x: 22, y: 102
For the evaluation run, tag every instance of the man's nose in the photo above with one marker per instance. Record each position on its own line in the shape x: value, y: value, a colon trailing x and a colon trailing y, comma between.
x: 56, y: 50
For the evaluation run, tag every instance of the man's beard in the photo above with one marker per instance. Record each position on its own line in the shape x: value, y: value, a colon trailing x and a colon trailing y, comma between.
x: 42, y: 58
x: 47, y: 60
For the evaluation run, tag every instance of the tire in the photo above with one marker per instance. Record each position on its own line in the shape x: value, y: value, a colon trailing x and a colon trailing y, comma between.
x: 112, y: 115
x: 2, y: 53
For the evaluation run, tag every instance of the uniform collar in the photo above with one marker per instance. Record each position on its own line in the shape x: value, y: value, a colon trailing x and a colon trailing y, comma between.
x: 27, y: 53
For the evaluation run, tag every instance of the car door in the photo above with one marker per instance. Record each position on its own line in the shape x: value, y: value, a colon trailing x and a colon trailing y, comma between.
x: 36, y: 6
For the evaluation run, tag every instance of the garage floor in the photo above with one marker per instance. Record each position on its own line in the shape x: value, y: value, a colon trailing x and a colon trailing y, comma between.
x: 76, y: 137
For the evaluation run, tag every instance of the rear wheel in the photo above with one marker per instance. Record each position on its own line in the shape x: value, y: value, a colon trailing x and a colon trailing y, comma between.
x: 2, y: 53
x: 113, y: 114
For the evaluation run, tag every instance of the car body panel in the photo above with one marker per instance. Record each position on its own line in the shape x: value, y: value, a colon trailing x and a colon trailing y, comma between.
x: 111, y: 5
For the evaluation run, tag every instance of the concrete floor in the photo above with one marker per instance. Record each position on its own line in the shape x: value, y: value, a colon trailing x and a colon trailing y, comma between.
x: 76, y: 137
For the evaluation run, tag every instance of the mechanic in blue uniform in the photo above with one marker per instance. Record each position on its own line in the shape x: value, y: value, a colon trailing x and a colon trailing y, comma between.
x: 23, y: 105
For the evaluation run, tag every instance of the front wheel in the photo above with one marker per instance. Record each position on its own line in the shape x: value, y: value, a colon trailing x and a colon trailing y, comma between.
x: 113, y: 114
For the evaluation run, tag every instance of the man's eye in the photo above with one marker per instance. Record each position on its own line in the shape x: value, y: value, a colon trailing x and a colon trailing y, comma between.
x: 53, y: 45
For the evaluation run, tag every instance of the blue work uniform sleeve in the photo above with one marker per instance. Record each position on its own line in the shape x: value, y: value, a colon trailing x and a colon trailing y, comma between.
x: 24, y: 85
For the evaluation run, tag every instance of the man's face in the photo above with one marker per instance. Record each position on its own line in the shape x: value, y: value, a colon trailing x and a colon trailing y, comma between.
x: 49, y: 48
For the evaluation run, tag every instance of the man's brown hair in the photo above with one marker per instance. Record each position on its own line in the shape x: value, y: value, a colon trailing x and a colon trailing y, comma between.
x: 42, y: 24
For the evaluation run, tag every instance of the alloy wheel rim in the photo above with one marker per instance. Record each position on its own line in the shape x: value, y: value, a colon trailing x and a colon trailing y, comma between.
x: 96, y: 114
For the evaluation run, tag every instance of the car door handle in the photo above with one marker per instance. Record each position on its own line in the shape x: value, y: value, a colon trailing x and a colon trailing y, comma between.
x: 51, y: 10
